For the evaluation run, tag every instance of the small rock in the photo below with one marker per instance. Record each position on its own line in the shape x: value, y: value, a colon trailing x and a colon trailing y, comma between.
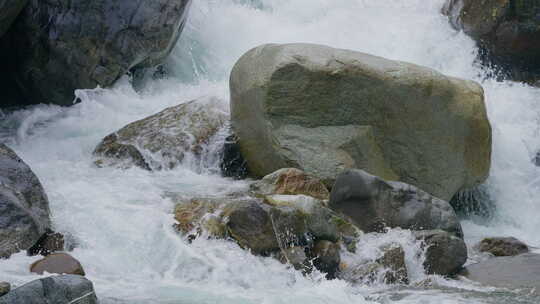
x: 60, y: 263
x: 233, y: 164
x: 445, y: 253
x: 393, y: 261
x: 291, y: 181
x: 48, y: 243
x: 326, y: 257
x: 499, y: 246
x: 5, y: 287
x: 296, y: 256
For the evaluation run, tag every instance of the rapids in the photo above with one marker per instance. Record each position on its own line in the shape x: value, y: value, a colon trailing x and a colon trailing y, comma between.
x: 121, y: 220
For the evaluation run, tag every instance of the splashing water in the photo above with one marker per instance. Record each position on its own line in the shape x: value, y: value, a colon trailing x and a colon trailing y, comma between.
x: 121, y: 220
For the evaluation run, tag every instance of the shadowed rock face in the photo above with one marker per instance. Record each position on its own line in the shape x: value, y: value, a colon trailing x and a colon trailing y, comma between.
x: 445, y: 253
x: 9, y: 10
x: 60, y: 46
x: 24, y: 207
x: 323, y: 110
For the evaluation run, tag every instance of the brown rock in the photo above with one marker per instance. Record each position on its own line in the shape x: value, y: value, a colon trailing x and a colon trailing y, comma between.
x: 60, y: 263
x: 327, y: 257
x: 498, y: 246
x: 5, y: 287
x: 291, y: 181
x: 394, y: 262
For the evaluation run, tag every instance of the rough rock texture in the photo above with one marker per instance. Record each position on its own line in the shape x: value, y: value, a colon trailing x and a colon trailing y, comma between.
x: 326, y: 257
x: 233, y: 163
x: 445, y: 253
x: 24, y: 207
x: 291, y: 181
x: 5, y: 287
x: 63, y: 289
x: 321, y: 110
x: 508, y: 31
x: 60, y: 263
x: 61, y: 46
x: 507, y: 246
x: 374, y: 204
x: 9, y: 10
x: 163, y: 140
x: 48, y: 243
x: 516, y: 272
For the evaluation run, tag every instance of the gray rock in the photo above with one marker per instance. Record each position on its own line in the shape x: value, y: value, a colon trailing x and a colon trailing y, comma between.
x: 5, y: 287
x: 163, y: 140
x: 61, y: 46
x: 516, y: 272
x: 445, y: 253
x: 24, y: 207
x: 9, y: 10
x: 503, y: 246
x: 374, y: 204
x: 296, y: 256
x: 326, y: 257
x: 64, y: 289
x: 322, y: 110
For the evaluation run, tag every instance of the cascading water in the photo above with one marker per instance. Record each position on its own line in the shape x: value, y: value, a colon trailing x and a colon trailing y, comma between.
x: 121, y: 221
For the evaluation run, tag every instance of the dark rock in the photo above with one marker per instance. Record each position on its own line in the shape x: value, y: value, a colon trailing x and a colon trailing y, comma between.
x: 62, y: 289
x: 48, y: 243
x: 24, y: 207
x: 233, y: 163
x: 5, y: 287
x: 291, y: 181
x: 60, y: 46
x: 9, y: 10
x: 475, y: 204
x: 507, y: 246
x: 60, y: 263
x: 296, y: 256
x: 445, y: 253
x: 393, y: 261
x: 326, y: 257
x: 374, y: 204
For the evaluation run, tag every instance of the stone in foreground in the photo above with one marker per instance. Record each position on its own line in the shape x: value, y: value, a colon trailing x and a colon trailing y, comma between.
x: 5, y: 287
x: 499, y: 246
x: 64, y: 289
x: 59, y: 263
x: 445, y: 253
x: 323, y: 110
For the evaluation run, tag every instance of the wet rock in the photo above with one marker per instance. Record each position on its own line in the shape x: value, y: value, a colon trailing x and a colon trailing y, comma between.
x: 163, y: 140
x: 60, y: 263
x: 48, y: 243
x: 393, y: 262
x: 9, y: 10
x: 323, y: 110
x: 507, y: 31
x: 291, y: 181
x: 5, y: 287
x: 445, y: 253
x: 190, y: 215
x: 24, y: 207
x: 61, y: 46
x: 499, y: 246
x: 56, y: 289
x: 296, y: 256
x: 374, y: 204
x: 233, y: 163
x: 326, y: 257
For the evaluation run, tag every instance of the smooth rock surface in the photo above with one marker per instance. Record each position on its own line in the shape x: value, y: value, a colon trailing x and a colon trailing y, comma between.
x: 291, y: 181
x: 64, y: 289
x: 503, y: 246
x: 9, y: 10
x: 322, y: 110
x: 24, y: 207
x: 60, y: 46
x: 165, y: 139
x: 445, y: 253
x: 59, y: 263
x: 374, y: 204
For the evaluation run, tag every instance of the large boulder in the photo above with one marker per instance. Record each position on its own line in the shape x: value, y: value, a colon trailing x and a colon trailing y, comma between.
x: 507, y: 30
x: 9, y: 10
x: 374, y: 204
x: 322, y: 110
x: 165, y: 139
x: 56, y: 289
x: 445, y: 253
x: 24, y: 207
x: 60, y: 46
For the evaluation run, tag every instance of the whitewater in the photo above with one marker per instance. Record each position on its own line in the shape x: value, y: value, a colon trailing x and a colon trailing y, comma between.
x: 120, y: 221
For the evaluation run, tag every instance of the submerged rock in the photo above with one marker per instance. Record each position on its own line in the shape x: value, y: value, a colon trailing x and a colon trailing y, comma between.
x: 163, y: 140
x: 374, y: 204
x: 507, y: 31
x: 326, y: 257
x: 60, y: 263
x: 56, y: 289
x: 233, y: 163
x: 499, y: 246
x: 445, y: 253
x: 61, y: 46
x: 291, y: 181
x: 5, y: 287
x: 24, y: 207
x: 9, y: 10
x: 323, y: 110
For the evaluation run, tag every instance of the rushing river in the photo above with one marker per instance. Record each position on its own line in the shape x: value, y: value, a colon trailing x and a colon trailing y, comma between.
x: 121, y: 220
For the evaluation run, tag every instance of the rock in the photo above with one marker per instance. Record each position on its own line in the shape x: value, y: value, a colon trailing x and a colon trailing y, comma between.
x: 9, y: 10
x: 296, y: 256
x: 508, y: 32
x: 56, y: 289
x: 24, y: 207
x: 200, y: 214
x: 374, y: 204
x: 163, y: 140
x: 445, y: 253
x: 499, y: 246
x: 233, y: 163
x: 48, y: 243
x: 61, y: 46
x: 323, y: 110
x: 5, y: 287
x: 60, y: 263
x: 291, y: 181
x: 515, y: 272
x: 326, y: 257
